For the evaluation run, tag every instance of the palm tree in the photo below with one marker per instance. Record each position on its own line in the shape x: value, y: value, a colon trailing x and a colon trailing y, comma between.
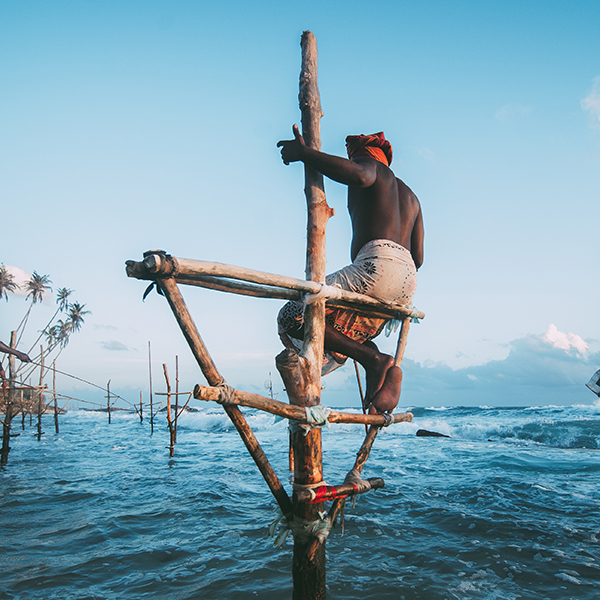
x: 62, y: 334
x: 62, y: 297
x: 51, y: 334
x: 36, y: 286
x: 7, y: 283
x: 76, y: 314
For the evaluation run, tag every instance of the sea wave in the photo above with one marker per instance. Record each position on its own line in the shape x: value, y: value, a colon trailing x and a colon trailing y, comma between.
x: 570, y: 427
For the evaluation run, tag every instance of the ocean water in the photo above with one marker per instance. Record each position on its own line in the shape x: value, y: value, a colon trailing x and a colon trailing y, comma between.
x: 508, y: 507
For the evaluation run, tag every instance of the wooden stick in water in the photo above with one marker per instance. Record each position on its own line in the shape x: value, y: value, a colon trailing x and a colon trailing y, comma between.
x: 108, y: 400
x: 150, y: 383
x: 169, y: 415
x: 176, y: 398
x: 54, y: 396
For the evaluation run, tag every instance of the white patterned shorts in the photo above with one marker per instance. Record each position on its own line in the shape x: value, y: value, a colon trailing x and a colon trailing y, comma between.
x: 383, y: 270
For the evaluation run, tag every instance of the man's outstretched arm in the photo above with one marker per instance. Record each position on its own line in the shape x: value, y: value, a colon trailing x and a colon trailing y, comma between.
x: 357, y: 174
x: 20, y: 355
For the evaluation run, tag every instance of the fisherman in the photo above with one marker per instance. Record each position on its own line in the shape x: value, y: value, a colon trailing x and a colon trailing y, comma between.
x: 386, y: 251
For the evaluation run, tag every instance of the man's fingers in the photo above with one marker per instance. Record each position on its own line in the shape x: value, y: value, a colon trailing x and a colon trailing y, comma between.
x: 296, y: 132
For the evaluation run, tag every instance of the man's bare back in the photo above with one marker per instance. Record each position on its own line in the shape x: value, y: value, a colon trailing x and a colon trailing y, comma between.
x: 387, y: 210
x: 381, y: 207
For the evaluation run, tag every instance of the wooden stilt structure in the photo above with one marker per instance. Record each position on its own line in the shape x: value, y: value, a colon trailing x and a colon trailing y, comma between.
x: 300, y: 371
x: 169, y: 414
x: 141, y: 411
x: 176, y: 399
x: 108, y: 400
x: 150, y: 383
x: 40, y: 402
x: 23, y: 411
x: 8, y: 391
x: 55, y: 403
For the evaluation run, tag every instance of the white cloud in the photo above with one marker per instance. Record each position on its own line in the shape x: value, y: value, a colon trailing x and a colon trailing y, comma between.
x: 591, y: 102
x: 540, y: 369
x: 20, y: 278
x: 565, y: 341
x: 510, y: 112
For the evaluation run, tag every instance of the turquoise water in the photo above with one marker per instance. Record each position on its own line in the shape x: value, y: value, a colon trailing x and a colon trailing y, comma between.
x: 508, y: 507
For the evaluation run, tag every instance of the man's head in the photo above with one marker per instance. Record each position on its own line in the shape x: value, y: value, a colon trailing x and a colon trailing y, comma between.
x: 374, y: 146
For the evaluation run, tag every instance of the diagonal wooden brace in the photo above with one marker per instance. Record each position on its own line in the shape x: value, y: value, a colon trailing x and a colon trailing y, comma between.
x: 171, y: 292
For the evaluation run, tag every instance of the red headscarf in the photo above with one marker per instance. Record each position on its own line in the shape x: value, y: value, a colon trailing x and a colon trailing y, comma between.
x: 374, y: 145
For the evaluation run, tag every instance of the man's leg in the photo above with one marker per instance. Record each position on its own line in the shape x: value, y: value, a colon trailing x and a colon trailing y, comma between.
x: 384, y: 380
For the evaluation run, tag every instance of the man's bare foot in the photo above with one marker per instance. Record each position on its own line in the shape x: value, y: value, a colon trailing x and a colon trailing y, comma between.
x: 389, y: 394
x: 376, y: 374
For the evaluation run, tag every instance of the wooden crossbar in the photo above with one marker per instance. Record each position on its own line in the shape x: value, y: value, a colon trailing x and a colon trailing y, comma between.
x: 290, y: 411
x: 239, y: 280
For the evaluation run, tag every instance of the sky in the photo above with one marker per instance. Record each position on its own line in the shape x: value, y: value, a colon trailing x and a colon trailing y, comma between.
x: 129, y: 126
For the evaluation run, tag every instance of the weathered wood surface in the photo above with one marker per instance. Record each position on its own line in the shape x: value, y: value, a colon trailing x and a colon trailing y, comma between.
x: 40, y: 403
x: 150, y: 383
x: 290, y: 411
x: 229, y: 278
x: 210, y: 371
x: 169, y: 415
x: 338, y: 504
x: 8, y: 391
x: 402, y: 339
x: 56, y: 428
x: 108, y: 400
x: 301, y: 373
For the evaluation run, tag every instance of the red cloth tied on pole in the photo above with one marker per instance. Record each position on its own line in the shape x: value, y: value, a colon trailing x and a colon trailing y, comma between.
x: 374, y: 146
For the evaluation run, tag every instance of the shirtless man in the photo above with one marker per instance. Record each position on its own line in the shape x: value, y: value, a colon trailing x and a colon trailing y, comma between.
x: 387, y: 248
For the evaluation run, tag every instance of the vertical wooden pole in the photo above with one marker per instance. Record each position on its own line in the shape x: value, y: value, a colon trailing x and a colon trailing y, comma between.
x: 8, y: 393
x: 150, y: 376
x: 40, y: 396
x: 141, y: 407
x: 169, y: 415
x: 22, y: 401
x: 108, y: 400
x: 302, y: 373
x: 176, y: 399
x: 54, y: 396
